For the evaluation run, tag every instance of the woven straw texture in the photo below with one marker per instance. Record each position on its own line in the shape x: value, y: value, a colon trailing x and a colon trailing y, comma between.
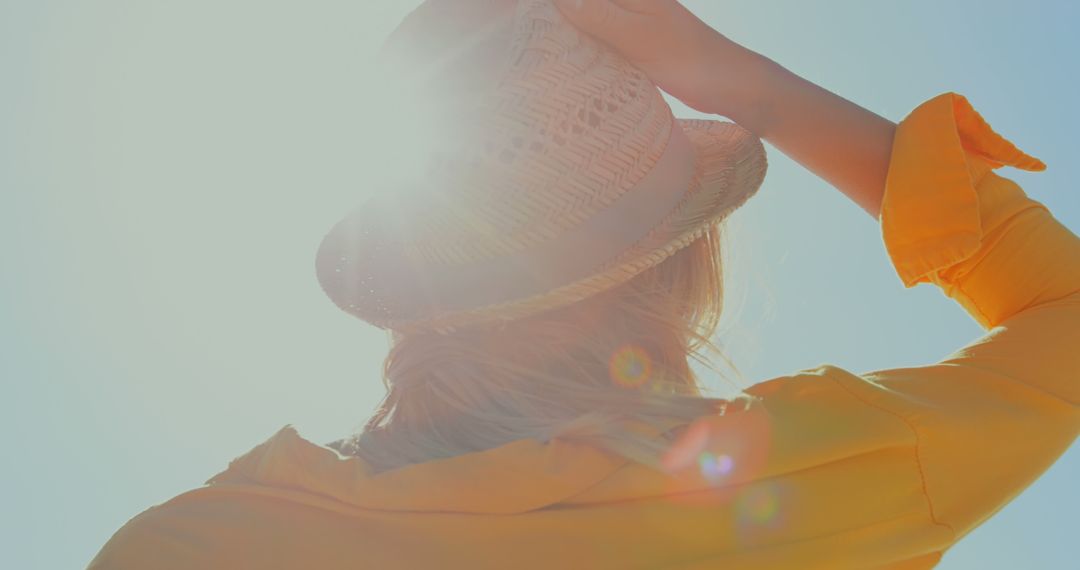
x: 549, y: 133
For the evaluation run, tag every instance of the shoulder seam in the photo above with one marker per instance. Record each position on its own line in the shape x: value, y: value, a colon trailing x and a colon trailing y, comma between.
x: 918, y: 452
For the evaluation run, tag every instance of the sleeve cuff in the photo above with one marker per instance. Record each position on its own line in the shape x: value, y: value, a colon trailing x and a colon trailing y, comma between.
x: 930, y: 218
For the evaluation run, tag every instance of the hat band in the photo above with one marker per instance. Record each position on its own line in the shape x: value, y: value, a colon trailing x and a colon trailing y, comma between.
x: 563, y: 260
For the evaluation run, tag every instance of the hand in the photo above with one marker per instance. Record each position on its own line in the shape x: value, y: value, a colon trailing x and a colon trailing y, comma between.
x: 843, y: 143
x: 679, y: 52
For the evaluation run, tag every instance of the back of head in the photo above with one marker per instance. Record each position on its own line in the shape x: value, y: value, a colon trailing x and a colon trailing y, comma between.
x: 584, y: 372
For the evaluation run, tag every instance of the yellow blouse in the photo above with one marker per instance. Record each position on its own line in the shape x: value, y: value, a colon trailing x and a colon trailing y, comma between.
x: 828, y: 469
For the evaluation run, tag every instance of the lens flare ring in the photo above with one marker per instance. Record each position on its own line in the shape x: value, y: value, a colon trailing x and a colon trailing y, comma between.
x: 758, y: 506
x: 630, y: 366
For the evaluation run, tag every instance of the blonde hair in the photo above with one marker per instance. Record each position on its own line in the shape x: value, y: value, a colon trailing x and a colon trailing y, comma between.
x: 580, y: 372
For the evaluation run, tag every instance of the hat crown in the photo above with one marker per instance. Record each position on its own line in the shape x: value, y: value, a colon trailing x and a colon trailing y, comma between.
x: 538, y: 128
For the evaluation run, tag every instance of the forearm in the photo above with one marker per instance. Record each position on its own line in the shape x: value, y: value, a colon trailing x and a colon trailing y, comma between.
x: 844, y: 144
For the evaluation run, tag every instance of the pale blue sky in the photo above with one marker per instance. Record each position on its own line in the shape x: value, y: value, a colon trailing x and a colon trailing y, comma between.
x: 167, y: 170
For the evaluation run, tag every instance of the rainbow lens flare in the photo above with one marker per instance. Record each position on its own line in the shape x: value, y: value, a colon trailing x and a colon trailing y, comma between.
x: 720, y: 450
x: 630, y: 366
x: 758, y: 504
x: 715, y: 467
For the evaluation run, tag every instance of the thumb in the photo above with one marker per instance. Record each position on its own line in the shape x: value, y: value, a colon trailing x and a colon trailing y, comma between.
x: 601, y: 18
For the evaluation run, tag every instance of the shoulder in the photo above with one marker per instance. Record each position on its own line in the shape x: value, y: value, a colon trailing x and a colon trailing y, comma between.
x: 200, y: 528
x: 158, y: 537
x: 229, y: 525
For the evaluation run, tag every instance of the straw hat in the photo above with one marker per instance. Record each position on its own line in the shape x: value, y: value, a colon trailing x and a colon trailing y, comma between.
x: 558, y: 171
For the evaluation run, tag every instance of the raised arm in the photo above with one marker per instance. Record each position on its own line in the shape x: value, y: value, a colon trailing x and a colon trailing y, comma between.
x: 974, y: 429
x: 841, y: 142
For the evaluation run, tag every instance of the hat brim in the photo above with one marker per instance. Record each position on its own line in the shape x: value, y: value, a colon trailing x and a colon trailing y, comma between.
x: 730, y: 168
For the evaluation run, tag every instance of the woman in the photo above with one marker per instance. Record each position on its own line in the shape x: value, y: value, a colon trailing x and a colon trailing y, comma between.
x: 546, y: 423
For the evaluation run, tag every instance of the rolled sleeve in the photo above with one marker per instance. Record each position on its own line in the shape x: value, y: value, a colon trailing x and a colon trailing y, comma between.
x: 930, y: 216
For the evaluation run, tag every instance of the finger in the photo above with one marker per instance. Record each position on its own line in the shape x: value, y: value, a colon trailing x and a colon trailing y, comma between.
x: 601, y: 18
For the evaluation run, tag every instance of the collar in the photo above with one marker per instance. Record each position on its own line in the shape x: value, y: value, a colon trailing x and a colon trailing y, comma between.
x: 516, y: 477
